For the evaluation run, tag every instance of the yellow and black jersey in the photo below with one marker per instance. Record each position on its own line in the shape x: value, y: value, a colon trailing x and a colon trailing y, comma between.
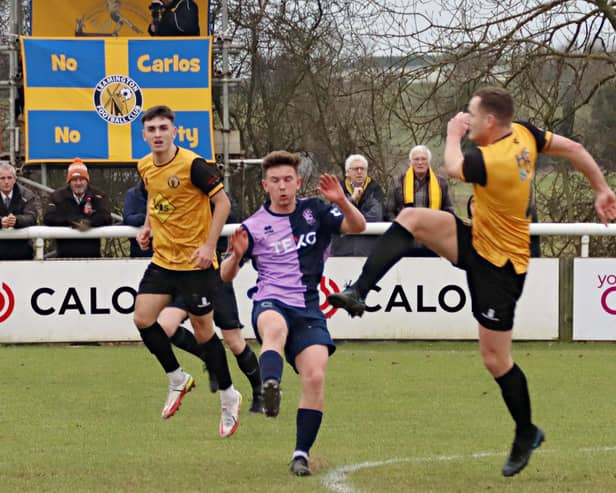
x: 501, y: 174
x: 179, y: 206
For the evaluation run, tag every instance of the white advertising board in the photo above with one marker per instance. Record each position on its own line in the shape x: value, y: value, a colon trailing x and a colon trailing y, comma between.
x: 594, y: 299
x: 93, y: 300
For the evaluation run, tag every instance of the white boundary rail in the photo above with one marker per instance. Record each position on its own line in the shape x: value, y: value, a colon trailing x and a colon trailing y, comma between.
x: 40, y: 233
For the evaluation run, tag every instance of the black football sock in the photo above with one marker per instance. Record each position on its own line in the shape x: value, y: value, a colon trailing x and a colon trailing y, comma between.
x: 388, y: 249
x: 185, y: 339
x: 157, y: 342
x: 308, y: 422
x: 215, y: 357
x: 515, y: 394
x: 248, y: 363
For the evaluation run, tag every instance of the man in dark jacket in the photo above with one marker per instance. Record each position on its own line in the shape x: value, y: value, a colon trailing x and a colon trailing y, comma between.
x: 365, y: 194
x: 135, y: 202
x: 174, y: 18
x: 81, y: 207
x: 419, y: 186
x: 17, y: 210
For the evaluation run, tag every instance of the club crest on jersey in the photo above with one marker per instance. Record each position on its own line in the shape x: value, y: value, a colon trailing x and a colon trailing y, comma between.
x: 173, y: 181
x: 118, y: 99
x: 308, y: 216
x: 524, y: 165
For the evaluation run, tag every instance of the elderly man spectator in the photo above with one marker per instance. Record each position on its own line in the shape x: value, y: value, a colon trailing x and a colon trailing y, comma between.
x: 418, y: 186
x: 365, y: 194
x: 79, y: 206
x: 17, y: 210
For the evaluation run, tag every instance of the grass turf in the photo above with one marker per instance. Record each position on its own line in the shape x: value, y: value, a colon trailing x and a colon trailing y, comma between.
x: 400, y: 416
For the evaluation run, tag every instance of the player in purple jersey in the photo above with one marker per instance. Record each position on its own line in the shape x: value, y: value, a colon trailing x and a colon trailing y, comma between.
x: 287, y: 240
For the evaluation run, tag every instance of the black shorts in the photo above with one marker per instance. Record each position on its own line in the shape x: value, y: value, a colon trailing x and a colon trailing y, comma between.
x: 494, y: 290
x: 226, y: 313
x: 197, y: 288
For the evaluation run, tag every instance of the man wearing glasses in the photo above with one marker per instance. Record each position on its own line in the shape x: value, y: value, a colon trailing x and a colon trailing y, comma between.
x: 365, y: 194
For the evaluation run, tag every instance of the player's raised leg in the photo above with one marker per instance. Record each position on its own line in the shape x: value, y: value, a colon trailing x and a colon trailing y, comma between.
x: 435, y: 229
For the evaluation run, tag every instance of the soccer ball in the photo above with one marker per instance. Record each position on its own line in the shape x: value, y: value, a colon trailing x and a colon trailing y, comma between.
x: 126, y: 93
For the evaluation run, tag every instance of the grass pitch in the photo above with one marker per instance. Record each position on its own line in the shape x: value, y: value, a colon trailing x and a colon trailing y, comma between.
x: 400, y: 417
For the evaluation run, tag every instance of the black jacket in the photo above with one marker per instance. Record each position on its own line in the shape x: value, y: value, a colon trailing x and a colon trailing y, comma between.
x: 179, y: 18
x: 63, y: 210
x: 23, y: 207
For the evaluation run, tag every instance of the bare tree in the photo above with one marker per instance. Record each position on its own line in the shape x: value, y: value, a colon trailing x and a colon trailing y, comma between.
x: 379, y: 76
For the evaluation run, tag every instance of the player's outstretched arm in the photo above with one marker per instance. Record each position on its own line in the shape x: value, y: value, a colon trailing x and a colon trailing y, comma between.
x: 238, y: 245
x: 453, y: 157
x: 576, y: 153
x: 354, y: 221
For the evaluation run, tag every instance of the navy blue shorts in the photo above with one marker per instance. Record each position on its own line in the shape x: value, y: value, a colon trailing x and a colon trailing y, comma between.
x: 196, y: 287
x: 494, y: 290
x: 306, y: 326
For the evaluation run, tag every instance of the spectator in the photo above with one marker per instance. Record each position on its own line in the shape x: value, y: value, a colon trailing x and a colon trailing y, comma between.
x: 174, y: 18
x: 365, y: 194
x: 535, y: 240
x: 419, y: 186
x: 135, y: 201
x: 79, y: 206
x: 17, y: 210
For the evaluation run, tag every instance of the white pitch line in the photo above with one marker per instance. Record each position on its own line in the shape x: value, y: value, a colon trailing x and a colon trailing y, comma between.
x: 335, y: 480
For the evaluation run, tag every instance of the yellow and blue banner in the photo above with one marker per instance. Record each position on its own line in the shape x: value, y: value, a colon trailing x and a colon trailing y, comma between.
x: 62, y: 18
x: 84, y: 97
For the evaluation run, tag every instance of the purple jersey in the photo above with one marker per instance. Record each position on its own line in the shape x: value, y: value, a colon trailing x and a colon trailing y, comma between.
x: 288, y: 251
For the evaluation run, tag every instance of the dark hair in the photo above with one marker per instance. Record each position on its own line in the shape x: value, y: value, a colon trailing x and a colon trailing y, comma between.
x: 280, y: 158
x: 497, y: 101
x: 160, y: 110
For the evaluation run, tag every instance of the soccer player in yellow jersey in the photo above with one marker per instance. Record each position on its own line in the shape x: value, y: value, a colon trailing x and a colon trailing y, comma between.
x: 181, y: 188
x: 494, y: 249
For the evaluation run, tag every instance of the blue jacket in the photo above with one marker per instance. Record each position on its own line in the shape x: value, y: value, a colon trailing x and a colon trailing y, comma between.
x: 135, y: 202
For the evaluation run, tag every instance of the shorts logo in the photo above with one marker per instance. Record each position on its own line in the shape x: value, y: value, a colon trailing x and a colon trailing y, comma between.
x: 204, y: 302
x: 7, y: 302
x: 118, y: 99
x: 327, y: 287
x: 491, y: 315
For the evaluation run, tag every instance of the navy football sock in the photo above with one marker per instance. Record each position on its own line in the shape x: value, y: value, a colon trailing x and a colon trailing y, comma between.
x: 271, y: 364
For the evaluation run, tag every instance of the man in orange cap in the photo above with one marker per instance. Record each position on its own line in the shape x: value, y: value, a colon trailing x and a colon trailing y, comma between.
x: 79, y: 206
